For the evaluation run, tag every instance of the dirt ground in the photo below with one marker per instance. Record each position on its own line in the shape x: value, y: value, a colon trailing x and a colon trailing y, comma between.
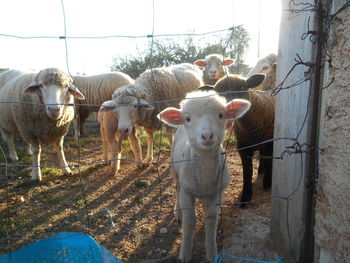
x: 139, y: 201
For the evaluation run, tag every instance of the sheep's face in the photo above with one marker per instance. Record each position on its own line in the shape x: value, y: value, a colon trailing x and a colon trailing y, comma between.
x: 56, y: 90
x: 214, y: 66
x: 203, y: 115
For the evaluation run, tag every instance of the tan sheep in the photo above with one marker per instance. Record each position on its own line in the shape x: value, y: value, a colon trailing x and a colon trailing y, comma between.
x: 96, y: 89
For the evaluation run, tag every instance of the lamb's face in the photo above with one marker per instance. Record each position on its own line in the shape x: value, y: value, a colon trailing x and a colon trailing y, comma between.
x: 214, y: 66
x: 204, y: 115
x: 130, y: 109
x: 127, y: 110
x: 204, y: 124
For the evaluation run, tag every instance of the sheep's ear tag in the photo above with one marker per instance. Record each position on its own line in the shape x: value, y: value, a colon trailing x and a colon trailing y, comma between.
x: 236, y: 108
x: 76, y: 92
x: 32, y: 87
x: 171, y: 116
x: 200, y: 63
x: 228, y: 62
x: 255, y: 80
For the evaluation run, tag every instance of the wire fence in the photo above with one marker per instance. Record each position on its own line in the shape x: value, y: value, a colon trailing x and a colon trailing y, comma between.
x: 296, y: 146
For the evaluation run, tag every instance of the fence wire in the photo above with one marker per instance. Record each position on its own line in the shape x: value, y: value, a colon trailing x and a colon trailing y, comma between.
x: 296, y: 147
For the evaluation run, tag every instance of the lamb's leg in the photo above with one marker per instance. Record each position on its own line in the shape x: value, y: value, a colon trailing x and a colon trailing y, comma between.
x: 149, y: 156
x: 116, y: 154
x: 36, y: 171
x: 76, y: 125
x: 177, y: 208
x: 211, y: 225
x: 61, y: 158
x: 247, y: 164
x: 135, y: 147
x: 8, y: 137
x: 105, y: 144
x: 188, y: 226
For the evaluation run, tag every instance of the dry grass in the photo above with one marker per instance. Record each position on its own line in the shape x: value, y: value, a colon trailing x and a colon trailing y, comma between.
x: 141, y: 201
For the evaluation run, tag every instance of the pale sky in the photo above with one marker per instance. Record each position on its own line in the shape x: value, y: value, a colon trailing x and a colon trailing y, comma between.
x: 95, y: 18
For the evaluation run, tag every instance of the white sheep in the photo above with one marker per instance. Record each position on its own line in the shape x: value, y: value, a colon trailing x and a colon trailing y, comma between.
x: 201, y: 121
x: 8, y: 75
x: 214, y: 68
x: 111, y: 139
x: 39, y: 113
x: 267, y: 66
x: 96, y: 89
x: 162, y: 87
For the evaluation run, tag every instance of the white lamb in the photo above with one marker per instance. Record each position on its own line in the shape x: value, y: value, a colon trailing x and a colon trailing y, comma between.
x: 96, y: 89
x: 267, y: 66
x: 214, y: 68
x: 40, y: 113
x: 201, y: 121
x: 162, y: 87
x: 112, y: 140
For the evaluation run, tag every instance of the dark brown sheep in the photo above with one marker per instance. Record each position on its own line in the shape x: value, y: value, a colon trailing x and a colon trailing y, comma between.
x: 255, y: 127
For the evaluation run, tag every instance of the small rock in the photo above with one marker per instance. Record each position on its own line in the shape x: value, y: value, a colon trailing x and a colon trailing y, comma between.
x: 163, y: 230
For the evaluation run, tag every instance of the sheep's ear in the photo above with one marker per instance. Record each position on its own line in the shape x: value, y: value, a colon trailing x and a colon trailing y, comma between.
x: 144, y: 107
x: 108, y: 105
x: 33, y: 86
x: 76, y: 92
x: 255, y: 80
x: 228, y: 62
x: 171, y: 116
x: 206, y: 88
x: 236, y: 108
x: 200, y: 63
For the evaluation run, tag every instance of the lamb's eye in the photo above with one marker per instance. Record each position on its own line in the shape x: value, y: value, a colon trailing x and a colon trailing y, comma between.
x: 188, y: 119
x: 221, y: 115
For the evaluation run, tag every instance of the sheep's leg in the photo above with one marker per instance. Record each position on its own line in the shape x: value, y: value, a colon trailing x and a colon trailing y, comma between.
x: 247, y: 164
x: 135, y: 147
x: 28, y: 148
x: 169, y: 133
x: 211, y: 225
x: 267, y: 165
x: 261, y: 167
x: 76, y: 125
x: 36, y: 171
x: 188, y: 226
x: 61, y: 158
x: 8, y: 137
x: 116, y: 154
x: 149, y: 156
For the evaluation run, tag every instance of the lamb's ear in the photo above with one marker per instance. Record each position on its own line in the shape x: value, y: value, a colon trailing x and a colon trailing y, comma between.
x: 236, y: 108
x: 33, y: 86
x: 200, y: 63
x: 76, y: 92
x: 228, y: 62
x: 108, y: 105
x: 171, y: 116
x: 255, y: 80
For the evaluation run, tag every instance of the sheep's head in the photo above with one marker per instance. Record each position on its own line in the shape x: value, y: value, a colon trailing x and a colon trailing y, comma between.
x: 236, y: 86
x: 130, y: 108
x: 203, y: 115
x: 56, y: 89
x: 267, y: 66
x: 213, y: 67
